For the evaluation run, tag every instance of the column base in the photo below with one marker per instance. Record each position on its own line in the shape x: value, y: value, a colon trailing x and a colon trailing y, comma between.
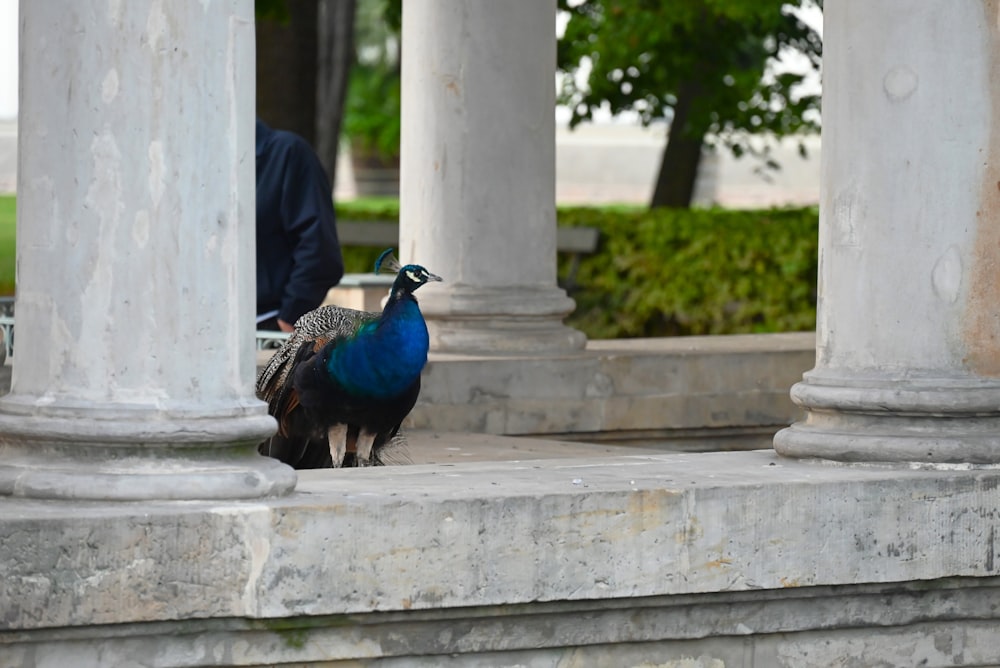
x: 501, y: 321
x: 122, y: 454
x: 874, y: 419
x: 503, y: 336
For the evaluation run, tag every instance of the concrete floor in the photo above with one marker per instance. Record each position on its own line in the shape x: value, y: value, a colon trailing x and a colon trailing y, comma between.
x: 427, y: 447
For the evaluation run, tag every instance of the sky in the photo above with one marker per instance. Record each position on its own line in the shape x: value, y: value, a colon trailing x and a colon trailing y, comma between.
x: 8, y: 59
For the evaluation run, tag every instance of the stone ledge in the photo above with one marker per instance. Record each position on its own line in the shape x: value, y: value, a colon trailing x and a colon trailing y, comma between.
x: 496, y: 533
x: 940, y: 623
x: 666, y: 384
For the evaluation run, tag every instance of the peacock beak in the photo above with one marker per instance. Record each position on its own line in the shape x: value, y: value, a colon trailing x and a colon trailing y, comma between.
x: 433, y: 277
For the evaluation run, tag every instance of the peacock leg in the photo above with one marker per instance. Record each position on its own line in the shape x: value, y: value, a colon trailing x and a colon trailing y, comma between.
x: 337, y: 438
x: 365, y: 442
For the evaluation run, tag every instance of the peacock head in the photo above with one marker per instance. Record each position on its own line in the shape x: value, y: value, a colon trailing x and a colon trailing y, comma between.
x: 409, y: 277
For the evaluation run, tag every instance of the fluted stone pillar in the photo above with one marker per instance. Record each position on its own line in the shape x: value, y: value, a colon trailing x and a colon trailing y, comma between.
x: 133, y: 372
x: 478, y: 173
x: 908, y: 327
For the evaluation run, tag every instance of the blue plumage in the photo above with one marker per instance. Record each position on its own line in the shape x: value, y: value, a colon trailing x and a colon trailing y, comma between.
x: 358, y: 363
x: 344, y: 381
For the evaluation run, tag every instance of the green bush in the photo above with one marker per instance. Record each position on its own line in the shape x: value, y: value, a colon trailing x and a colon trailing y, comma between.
x: 670, y: 272
x: 357, y: 259
x: 673, y: 272
x: 655, y: 273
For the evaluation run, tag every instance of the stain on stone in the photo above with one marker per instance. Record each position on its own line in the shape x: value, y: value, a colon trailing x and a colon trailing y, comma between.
x: 294, y: 631
x: 899, y: 83
x: 943, y: 642
x: 990, y: 550
x: 946, y: 277
x: 451, y: 85
x: 981, y: 332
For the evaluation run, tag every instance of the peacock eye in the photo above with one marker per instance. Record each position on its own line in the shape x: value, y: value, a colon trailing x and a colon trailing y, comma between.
x: 412, y: 275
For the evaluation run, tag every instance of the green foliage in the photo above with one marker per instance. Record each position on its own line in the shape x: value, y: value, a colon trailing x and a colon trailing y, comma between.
x: 669, y: 272
x: 647, y: 55
x: 372, y: 110
x: 272, y: 10
x: 358, y: 260
x: 374, y: 207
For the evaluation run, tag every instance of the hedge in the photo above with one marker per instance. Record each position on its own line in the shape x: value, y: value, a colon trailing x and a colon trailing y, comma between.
x: 676, y: 272
x: 669, y: 272
x: 358, y: 260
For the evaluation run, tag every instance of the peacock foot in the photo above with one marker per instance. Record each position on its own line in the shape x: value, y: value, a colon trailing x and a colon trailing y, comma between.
x: 337, y: 437
x: 365, y: 443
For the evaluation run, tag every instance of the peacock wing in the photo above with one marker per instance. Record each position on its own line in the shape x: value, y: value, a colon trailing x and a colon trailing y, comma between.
x: 332, y: 322
x: 272, y: 376
x: 283, y: 398
x: 326, y: 323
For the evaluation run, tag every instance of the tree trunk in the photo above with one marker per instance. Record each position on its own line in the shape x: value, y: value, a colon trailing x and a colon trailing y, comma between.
x: 679, y: 168
x: 335, y: 56
x: 286, y: 70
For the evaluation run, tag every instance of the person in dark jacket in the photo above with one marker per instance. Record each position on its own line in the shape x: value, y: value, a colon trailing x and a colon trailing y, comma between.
x: 298, y: 254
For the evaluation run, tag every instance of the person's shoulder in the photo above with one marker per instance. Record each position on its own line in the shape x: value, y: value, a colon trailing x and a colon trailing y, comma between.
x: 274, y: 142
x: 289, y: 141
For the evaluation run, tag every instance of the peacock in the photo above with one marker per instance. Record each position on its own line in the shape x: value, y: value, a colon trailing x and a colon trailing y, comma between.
x: 344, y: 380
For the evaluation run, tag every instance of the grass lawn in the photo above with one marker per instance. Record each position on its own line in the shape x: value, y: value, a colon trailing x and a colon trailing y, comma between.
x: 389, y: 207
x: 7, y: 205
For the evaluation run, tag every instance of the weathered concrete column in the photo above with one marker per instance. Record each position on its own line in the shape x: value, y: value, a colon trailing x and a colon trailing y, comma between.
x: 908, y: 328
x: 134, y: 367
x: 478, y: 173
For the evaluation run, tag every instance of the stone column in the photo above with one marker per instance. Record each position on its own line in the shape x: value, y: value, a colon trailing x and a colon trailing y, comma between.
x: 134, y: 367
x: 908, y: 327
x: 478, y: 173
